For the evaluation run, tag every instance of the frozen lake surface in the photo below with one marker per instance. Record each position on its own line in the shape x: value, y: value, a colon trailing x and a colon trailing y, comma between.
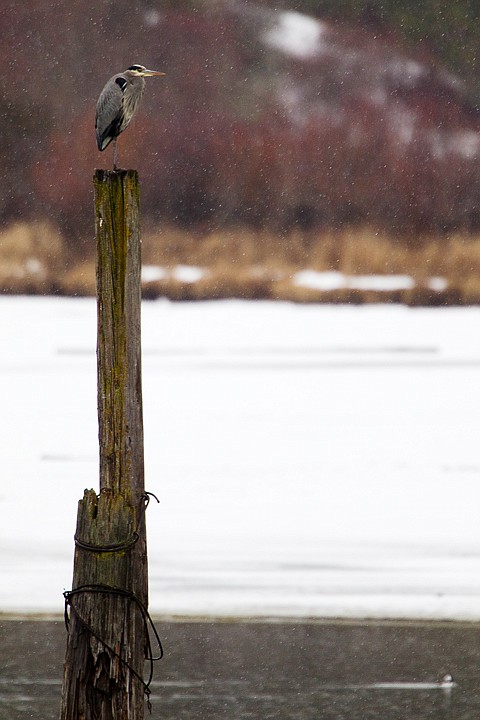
x: 318, y: 461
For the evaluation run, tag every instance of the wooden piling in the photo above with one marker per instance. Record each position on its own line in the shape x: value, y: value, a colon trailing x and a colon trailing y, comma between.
x: 107, y: 635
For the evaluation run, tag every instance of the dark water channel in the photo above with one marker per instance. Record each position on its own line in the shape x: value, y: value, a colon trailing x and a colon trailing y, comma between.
x: 260, y: 670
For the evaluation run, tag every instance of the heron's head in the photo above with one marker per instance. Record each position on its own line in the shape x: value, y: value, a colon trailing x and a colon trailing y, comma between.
x: 141, y: 71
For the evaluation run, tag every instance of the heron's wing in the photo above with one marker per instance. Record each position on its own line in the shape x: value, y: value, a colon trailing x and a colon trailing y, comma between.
x: 109, y: 118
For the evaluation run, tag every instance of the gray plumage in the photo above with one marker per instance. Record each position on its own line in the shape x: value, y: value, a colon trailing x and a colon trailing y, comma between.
x: 118, y: 103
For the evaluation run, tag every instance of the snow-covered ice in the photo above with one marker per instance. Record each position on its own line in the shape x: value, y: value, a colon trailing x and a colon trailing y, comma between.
x: 152, y: 273
x: 310, y: 460
x: 182, y: 273
x: 333, y: 280
x: 188, y: 273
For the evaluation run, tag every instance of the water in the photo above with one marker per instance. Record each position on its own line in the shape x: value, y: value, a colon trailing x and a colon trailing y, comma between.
x: 294, y: 670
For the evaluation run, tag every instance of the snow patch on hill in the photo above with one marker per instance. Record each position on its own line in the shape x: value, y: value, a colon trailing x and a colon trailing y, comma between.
x: 297, y: 35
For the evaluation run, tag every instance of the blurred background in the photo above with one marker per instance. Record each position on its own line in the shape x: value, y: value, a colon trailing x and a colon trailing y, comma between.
x: 304, y: 150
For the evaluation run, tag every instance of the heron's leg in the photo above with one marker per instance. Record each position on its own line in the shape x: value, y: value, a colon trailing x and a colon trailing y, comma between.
x: 115, y: 154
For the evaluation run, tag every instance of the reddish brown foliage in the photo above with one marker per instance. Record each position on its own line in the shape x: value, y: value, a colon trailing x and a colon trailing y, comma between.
x: 236, y: 132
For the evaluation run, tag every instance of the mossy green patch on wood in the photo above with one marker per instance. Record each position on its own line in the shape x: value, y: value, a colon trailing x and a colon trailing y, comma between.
x: 118, y: 291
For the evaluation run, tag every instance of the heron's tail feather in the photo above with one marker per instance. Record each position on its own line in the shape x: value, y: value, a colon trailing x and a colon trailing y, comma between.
x: 104, y: 142
x: 110, y: 132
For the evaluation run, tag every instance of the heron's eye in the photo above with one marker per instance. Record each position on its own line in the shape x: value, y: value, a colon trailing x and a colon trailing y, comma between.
x: 135, y: 68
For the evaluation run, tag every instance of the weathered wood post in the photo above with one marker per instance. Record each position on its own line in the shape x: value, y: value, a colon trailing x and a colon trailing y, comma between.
x: 107, y: 634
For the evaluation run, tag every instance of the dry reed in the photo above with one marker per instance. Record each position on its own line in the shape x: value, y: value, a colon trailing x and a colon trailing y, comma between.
x: 241, y: 262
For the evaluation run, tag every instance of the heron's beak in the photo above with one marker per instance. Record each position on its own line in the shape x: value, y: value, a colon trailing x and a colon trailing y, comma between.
x: 152, y: 73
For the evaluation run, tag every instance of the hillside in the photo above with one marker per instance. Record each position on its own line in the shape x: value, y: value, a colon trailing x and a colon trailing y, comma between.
x: 271, y: 120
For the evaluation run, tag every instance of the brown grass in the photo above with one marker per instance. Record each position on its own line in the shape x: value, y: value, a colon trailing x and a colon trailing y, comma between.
x: 244, y: 263
x: 78, y: 280
x: 357, y: 251
x: 253, y: 264
x: 31, y: 256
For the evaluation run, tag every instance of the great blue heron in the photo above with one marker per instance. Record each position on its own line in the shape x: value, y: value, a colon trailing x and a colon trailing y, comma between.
x: 118, y: 103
